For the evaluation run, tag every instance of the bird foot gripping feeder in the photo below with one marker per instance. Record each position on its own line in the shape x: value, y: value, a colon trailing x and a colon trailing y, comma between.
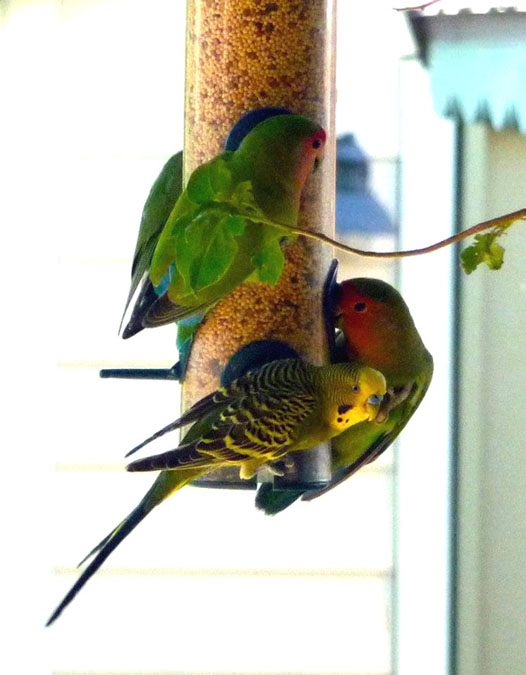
x: 262, y: 58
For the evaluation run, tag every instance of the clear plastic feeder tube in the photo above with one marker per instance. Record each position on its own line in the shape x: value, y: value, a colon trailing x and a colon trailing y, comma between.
x: 242, y: 55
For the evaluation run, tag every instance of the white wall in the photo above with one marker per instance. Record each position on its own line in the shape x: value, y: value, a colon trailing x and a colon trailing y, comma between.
x: 492, y: 450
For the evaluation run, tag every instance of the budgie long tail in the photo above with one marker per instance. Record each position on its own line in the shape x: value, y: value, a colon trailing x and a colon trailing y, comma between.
x: 166, y: 484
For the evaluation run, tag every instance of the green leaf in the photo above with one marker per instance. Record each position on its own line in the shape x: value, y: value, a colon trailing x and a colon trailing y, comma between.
x: 235, y: 225
x: 269, y: 261
x: 220, y: 176
x: 199, y: 188
x: 269, y: 258
x: 184, y: 251
x: 211, y: 181
x: 207, y: 248
x: 244, y: 201
x: 484, y: 249
x: 215, y: 256
x: 198, y: 224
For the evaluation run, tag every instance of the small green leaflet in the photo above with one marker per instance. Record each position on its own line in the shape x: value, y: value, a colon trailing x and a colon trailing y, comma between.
x: 206, y: 248
x: 221, y: 177
x: 269, y: 261
x: 211, y: 181
x: 243, y: 199
x: 183, y: 250
x: 217, y: 253
x: 235, y: 225
x: 484, y: 249
x: 199, y: 189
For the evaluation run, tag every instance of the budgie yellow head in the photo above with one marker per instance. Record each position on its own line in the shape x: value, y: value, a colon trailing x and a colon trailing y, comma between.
x: 355, y: 395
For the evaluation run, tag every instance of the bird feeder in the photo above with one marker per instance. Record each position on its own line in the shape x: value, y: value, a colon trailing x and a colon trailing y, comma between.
x: 248, y: 59
x: 242, y: 55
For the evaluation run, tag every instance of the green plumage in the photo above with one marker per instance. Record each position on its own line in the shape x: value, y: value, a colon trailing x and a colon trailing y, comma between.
x: 283, y: 406
x: 162, y: 198
x: 377, y: 330
x: 225, y: 227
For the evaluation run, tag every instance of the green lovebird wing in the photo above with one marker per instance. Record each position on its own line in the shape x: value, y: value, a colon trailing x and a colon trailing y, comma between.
x: 162, y: 198
x: 352, y: 451
x: 359, y: 445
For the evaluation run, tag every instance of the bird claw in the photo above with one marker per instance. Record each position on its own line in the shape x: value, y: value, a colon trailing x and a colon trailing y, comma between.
x: 276, y: 469
x: 280, y: 467
x: 395, y: 396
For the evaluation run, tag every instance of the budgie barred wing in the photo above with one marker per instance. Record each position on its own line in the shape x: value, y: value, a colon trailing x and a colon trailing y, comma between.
x: 255, y: 417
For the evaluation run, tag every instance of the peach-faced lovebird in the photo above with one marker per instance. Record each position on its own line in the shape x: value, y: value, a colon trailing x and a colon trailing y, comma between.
x: 378, y: 331
x: 225, y: 227
x: 284, y: 406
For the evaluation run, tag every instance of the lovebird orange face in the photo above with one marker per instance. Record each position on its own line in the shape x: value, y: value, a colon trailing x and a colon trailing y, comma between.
x: 311, y: 154
x: 371, y: 325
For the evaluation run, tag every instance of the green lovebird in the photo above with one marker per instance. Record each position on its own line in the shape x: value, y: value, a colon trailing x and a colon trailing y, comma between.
x: 224, y: 228
x: 284, y: 406
x: 378, y: 331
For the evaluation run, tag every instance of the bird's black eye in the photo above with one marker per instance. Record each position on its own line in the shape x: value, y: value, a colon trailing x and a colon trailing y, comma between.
x: 344, y: 408
x: 360, y: 307
x: 316, y: 143
x: 356, y: 388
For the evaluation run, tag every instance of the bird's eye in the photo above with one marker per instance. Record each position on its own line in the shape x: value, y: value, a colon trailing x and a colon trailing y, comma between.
x: 360, y: 307
x: 344, y: 408
x: 316, y: 143
x: 356, y: 389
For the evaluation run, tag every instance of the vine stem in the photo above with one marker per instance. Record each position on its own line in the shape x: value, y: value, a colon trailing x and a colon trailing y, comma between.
x: 502, y: 222
x: 416, y: 7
